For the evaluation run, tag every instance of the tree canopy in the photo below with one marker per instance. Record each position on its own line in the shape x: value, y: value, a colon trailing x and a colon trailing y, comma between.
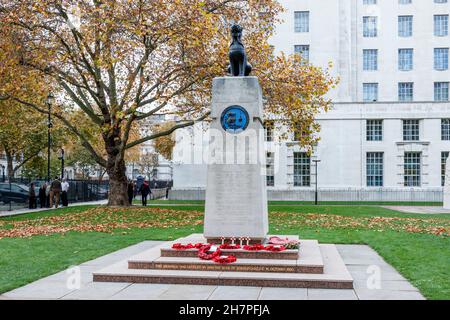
x: 122, y: 61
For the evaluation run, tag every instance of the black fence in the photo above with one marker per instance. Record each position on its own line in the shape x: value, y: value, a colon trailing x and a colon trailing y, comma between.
x: 15, y: 194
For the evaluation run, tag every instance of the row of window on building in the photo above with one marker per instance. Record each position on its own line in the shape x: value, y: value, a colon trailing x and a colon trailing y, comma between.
x: 374, y: 130
x: 411, y: 130
x: 406, y: 91
x: 405, y: 58
x: 405, y: 63
x: 370, y: 24
x: 412, y: 169
x: 405, y: 26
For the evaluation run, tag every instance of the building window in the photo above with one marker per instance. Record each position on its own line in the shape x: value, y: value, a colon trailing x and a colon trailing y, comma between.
x: 411, y: 131
x: 440, y: 1
x: 368, y: 2
x: 404, y: 1
x: 405, y: 26
x: 405, y: 91
x: 374, y: 169
x: 412, y: 166
x: 370, y: 59
x: 303, y: 51
x: 370, y: 27
x: 445, y: 129
x: 444, y: 156
x: 441, y: 25
x: 370, y: 92
x: 301, y: 21
x: 374, y: 130
x: 405, y: 59
x: 270, y: 169
x: 441, y: 59
x: 441, y: 91
x: 268, y: 130
x: 302, y: 169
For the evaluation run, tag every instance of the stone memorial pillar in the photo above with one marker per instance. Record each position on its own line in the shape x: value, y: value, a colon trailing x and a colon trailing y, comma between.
x: 447, y: 184
x: 236, y: 197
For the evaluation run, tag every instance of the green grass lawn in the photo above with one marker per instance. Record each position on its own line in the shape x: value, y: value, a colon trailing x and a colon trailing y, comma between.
x: 36, y: 245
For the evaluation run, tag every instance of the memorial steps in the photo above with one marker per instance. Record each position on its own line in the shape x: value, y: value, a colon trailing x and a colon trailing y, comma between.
x: 314, y: 265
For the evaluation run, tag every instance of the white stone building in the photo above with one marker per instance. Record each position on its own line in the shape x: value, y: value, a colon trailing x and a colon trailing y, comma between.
x: 164, y: 170
x: 388, y: 133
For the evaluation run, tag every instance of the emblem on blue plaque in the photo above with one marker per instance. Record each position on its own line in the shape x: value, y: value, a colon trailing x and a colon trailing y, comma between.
x: 234, y: 119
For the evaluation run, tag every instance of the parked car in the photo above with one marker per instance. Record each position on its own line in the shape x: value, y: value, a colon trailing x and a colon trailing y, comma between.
x: 13, y: 193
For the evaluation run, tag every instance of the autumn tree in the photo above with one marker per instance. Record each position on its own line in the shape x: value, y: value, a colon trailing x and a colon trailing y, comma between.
x: 23, y: 130
x: 122, y: 61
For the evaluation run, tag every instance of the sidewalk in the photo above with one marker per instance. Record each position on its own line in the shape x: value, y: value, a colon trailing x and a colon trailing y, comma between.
x: 359, y: 259
x: 419, y: 209
x: 26, y: 210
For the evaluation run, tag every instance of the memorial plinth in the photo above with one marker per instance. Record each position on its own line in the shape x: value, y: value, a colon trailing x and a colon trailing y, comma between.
x: 236, y: 197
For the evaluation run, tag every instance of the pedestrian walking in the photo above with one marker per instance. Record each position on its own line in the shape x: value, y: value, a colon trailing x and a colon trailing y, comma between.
x: 55, y: 192
x: 65, y: 189
x: 47, y: 195
x: 145, y: 191
x: 167, y: 193
x: 130, y: 191
x: 135, y: 190
x: 32, y: 197
x: 43, y: 196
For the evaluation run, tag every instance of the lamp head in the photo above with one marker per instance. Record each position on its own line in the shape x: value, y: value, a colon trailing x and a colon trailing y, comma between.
x: 50, y: 99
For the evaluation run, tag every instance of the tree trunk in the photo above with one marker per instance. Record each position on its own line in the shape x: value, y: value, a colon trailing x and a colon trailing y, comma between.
x: 10, y: 165
x: 118, y: 182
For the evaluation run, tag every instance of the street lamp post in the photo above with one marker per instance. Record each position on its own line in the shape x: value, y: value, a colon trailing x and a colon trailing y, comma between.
x: 316, y: 192
x: 50, y: 100
x: 61, y: 157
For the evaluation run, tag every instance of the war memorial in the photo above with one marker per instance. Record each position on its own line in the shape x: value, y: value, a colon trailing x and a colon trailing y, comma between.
x: 235, y: 248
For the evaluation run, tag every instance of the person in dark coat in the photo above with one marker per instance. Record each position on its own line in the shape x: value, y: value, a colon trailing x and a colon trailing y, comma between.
x: 130, y: 192
x: 55, y: 192
x: 145, y: 191
x: 32, y: 197
x: 43, y: 196
x: 167, y: 193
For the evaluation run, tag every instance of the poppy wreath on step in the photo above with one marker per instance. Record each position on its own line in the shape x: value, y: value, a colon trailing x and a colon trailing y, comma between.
x: 275, y: 248
x: 179, y: 246
x: 224, y: 259
x: 204, y: 255
x: 255, y: 247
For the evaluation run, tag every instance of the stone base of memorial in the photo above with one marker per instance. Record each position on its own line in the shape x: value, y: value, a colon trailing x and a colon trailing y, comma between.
x: 312, y: 265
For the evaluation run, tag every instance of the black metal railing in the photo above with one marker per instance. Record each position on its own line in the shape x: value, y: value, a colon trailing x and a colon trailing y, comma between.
x: 15, y: 194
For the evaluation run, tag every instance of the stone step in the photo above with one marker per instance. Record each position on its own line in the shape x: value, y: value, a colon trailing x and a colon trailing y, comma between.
x: 238, y: 253
x: 242, y: 265
x: 335, y: 275
x: 309, y: 261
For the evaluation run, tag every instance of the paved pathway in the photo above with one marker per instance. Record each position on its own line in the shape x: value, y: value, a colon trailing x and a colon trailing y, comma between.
x: 361, y: 260
x: 419, y: 209
x: 26, y: 210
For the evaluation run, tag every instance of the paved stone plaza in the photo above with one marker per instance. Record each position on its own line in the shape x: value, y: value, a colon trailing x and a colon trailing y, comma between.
x: 360, y: 260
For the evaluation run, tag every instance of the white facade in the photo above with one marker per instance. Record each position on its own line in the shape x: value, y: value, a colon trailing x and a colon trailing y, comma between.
x: 335, y: 33
x: 164, y: 170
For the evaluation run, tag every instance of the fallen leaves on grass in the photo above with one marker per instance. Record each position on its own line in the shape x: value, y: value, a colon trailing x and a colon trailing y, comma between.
x: 439, y: 227
x: 104, y: 219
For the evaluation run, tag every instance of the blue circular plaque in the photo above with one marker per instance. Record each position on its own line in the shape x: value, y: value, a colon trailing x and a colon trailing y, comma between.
x: 234, y: 119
